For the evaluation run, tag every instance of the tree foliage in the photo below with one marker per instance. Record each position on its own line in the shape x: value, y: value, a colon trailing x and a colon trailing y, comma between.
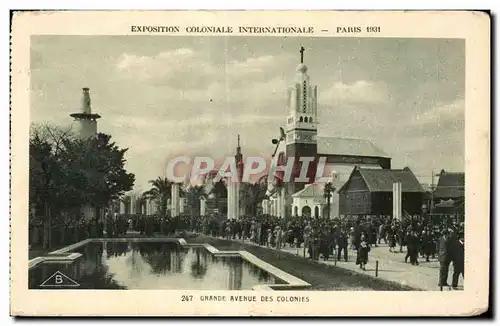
x: 193, y: 196
x: 160, y: 192
x: 328, y: 191
x: 67, y: 172
x: 251, y: 194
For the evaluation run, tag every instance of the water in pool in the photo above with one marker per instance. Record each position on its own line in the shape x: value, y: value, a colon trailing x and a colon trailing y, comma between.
x: 115, y: 265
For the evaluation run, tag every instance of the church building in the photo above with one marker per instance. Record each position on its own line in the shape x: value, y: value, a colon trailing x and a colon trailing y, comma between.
x: 303, y: 138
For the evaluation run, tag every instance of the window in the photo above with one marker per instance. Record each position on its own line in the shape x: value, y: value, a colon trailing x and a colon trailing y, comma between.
x: 300, y: 120
x: 305, y: 119
x: 310, y: 119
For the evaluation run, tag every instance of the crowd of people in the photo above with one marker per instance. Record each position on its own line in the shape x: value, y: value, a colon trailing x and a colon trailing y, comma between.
x: 423, y: 237
x: 319, y: 238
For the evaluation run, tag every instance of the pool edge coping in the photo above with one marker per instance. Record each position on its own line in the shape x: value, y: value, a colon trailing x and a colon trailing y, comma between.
x: 291, y: 282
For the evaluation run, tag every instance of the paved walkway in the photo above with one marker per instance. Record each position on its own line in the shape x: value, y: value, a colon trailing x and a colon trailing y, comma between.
x: 391, y: 267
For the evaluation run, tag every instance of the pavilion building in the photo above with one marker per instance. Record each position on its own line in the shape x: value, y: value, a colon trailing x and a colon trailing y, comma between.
x: 303, y: 139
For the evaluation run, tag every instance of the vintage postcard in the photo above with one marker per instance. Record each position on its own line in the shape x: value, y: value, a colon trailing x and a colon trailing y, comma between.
x: 250, y: 163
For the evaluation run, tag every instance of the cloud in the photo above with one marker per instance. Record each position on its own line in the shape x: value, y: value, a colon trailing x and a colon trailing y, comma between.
x: 443, y: 111
x: 360, y: 91
x: 185, y: 67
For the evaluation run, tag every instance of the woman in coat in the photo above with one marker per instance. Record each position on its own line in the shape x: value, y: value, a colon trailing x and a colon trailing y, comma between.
x: 363, y: 250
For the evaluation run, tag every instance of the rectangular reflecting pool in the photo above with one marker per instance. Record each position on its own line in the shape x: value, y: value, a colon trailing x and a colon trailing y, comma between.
x: 148, y: 266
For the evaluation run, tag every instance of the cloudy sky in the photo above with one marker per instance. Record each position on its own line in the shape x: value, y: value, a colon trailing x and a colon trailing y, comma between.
x: 162, y: 96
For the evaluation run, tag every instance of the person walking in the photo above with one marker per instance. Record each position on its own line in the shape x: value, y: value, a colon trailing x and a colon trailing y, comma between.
x: 341, y: 242
x: 382, y: 234
x: 458, y: 260
x: 444, y: 255
x: 363, y: 250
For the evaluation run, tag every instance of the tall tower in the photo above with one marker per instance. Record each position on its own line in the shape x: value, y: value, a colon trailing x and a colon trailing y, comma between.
x: 233, y: 186
x: 87, y: 120
x: 302, y: 124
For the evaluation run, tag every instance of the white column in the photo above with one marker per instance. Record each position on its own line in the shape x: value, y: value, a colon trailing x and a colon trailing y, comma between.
x: 278, y: 204
x: 231, y: 202
x: 237, y: 200
x: 132, y: 205
x: 152, y: 206
x: 203, y: 207
x: 396, y: 201
x: 232, y: 199
x: 122, y: 207
x: 175, y: 200
x: 265, y: 207
x: 229, y: 199
x: 282, y: 203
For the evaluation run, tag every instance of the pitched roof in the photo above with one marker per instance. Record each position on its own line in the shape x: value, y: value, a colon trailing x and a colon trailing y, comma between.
x: 450, y: 206
x: 450, y: 185
x: 382, y: 180
x: 348, y: 146
x: 310, y: 190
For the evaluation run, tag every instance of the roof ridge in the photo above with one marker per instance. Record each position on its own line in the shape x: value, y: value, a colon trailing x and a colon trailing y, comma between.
x: 363, y: 177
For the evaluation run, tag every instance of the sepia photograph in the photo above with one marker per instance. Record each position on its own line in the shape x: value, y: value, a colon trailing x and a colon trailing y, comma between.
x: 288, y: 163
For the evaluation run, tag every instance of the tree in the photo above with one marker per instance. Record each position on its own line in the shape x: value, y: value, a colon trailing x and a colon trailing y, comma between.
x: 251, y: 194
x: 193, y: 196
x: 105, y: 176
x: 160, y: 192
x: 328, y: 191
x: 67, y: 172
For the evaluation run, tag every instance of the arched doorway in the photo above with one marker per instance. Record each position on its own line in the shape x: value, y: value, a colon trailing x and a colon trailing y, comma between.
x: 316, y: 212
x: 306, y: 211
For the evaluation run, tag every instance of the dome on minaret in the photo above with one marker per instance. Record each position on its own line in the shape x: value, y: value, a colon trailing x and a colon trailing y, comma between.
x: 302, y: 68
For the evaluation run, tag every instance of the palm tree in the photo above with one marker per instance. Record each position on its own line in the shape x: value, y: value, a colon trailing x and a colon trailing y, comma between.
x: 251, y: 194
x: 193, y: 196
x: 327, y: 193
x: 160, y: 192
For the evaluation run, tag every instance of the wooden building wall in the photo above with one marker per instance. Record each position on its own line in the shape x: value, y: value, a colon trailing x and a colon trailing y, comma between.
x: 355, y: 199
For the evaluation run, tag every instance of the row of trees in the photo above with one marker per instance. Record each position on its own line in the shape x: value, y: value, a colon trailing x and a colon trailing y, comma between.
x: 67, y: 172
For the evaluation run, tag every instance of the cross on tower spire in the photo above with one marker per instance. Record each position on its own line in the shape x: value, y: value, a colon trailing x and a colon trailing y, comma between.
x: 302, y: 54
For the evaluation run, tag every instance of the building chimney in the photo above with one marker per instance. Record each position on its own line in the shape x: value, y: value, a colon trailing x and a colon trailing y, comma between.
x: 86, y: 101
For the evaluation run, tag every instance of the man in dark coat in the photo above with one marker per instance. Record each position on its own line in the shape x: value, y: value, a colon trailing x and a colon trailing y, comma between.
x: 413, y: 247
x: 341, y: 239
x: 458, y: 260
x: 445, y: 257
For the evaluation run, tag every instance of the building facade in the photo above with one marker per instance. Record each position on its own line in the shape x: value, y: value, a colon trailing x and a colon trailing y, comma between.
x: 370, y: 192
x: 303, y: 142
x: 449, y: 195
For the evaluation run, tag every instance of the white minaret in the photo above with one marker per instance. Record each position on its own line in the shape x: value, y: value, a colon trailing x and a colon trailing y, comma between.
x: 87, y: 120
x: 302, y: 120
